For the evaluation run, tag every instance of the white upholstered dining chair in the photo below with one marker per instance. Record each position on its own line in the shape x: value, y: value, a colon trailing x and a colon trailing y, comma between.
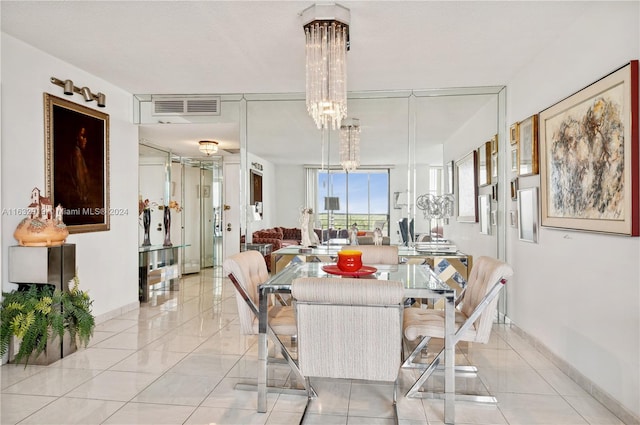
x: 247, y: 270
x: 476, y: 308
x: 350, y: 329
x: 376, y: 254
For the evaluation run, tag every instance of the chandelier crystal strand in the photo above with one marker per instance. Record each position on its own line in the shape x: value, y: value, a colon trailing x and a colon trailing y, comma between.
x: 326, y: 47
x: 350, y: 145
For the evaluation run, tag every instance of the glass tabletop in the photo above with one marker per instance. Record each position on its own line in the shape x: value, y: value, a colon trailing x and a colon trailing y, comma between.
x: 418, y: 279
x: 332, y: 250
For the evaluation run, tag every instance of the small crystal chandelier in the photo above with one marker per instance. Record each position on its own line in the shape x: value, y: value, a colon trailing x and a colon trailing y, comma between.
x: 326, y: 28
x: 350, y: 145
x: 208, y: 147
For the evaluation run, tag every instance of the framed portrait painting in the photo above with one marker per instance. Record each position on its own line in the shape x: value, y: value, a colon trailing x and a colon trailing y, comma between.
x: 589, y: 157
x: 528, y: 146
x: 466, y: 188
x: 77, y: 163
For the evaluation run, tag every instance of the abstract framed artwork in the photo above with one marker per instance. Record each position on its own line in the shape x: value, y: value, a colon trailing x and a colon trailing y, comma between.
x: 466, y: 188
x: 77, y: 164
x: 589, y: 157
x: 484, y: 164
x: 528, y: 146
x: 528, y: 214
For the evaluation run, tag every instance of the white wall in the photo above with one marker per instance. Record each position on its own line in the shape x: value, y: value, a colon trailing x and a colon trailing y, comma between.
x: 25, y: 76
x: 579, y: 293
x: 478, y: 130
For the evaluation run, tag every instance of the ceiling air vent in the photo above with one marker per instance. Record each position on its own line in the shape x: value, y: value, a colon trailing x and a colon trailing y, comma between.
x: 193, y: 105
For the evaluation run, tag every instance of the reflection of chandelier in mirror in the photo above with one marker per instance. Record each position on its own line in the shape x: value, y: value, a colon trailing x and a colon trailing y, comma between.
x: 208, y: 147
x: 350, y: 145
x: 326, y: 28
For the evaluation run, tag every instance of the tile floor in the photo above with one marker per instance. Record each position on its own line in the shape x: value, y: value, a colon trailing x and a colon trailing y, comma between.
x: 176, y: 362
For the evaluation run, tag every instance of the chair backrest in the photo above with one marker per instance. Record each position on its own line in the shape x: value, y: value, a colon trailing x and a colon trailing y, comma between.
x: 349, y: 328
x: 376, y: 254
x: 249, y: 270
x: 486, y: 271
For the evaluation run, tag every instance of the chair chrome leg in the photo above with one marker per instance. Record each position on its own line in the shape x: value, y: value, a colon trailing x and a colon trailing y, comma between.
x: 415, y: 389
x: 459, y: 397
x: 310, y: 395
x: 395, y: 402
x: 409, y: 362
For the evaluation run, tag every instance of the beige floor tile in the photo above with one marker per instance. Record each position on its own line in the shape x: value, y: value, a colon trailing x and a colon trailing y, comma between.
x: 179, y: 389
x: 16, y: 407
x: 114, y: 385
x: 226, y: 416
x: 149, y: 361
x: 67, y: 410
x: 533, y: 409
x: 52, y: 382
x: 13, y: 373
x: 150, y: 414
x: 593, y: 411
x: 94, y: 358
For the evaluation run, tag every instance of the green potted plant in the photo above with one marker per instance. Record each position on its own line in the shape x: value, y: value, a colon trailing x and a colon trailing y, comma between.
x: 40, y: 316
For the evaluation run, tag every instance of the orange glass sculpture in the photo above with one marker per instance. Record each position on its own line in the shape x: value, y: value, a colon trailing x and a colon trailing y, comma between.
x: 349, y: 260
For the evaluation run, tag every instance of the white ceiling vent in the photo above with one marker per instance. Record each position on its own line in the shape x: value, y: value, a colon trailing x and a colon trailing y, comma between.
x: 192, y: 105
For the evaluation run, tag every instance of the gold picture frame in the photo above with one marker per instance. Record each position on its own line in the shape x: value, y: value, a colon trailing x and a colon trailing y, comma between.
x: 528, y: 146
x: 513, y: 134
x: 77, y: 164
x: 484, y: 164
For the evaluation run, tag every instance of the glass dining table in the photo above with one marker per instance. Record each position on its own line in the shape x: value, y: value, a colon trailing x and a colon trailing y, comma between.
x: 419, y: 282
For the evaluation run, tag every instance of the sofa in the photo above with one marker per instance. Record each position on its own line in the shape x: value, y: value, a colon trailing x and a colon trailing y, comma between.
x: 278, y: 237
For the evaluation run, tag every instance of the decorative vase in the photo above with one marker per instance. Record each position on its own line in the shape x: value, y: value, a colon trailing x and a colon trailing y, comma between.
x: 146, y: 223
x: 167, y: 226
x: 349, y: 260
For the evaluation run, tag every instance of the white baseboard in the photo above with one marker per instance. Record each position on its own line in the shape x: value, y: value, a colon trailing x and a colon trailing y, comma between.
x: 117, y: 312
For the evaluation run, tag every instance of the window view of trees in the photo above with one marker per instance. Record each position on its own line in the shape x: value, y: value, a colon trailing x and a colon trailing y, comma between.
x: 363, y: 199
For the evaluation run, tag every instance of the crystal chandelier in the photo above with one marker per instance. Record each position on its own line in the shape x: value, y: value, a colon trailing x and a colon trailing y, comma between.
x: 326, y: 29
x: 208, y: 147
x: 350, y: 145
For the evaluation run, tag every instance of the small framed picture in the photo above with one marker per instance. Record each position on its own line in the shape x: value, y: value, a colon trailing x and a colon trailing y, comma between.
x: 494, y: 167
x: 484, y: 210
x: 494, y: 144
x: 528, y: 146
x: 528, y: 214
x: 513, y: 218
x: 514, y: 189
x: 494, y: 192
x: 513, y: 133
x: 484, y: 164
x: 514, y: 159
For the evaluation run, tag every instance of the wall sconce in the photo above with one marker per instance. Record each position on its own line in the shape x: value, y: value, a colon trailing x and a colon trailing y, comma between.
x: 69, y: 89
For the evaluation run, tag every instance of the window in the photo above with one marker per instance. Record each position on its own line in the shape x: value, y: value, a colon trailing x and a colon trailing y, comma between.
x: 363, y: 198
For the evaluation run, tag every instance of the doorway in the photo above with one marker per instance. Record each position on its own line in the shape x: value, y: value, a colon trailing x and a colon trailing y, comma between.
x: 198, y: 183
